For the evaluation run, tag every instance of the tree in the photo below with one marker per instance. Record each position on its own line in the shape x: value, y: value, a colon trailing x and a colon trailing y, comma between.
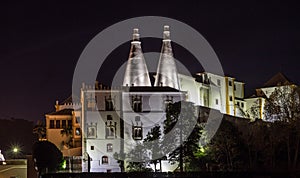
x: 181, y: 122
x: 283, y: 108
x: 227, y: 148
x: 153, y: 143
x: 138, y: 160
x: 283, y: 104
x: 68, y: 131
x: 46, y: 157
x: 40, y: 130
x: 257, y: 139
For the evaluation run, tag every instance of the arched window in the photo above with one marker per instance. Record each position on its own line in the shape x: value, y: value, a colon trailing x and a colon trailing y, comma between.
x: 104, y: 160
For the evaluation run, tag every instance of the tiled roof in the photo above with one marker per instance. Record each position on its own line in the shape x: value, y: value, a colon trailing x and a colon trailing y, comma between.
x: 71, y: 99
x: 277, y: 80
x: 62, y: 112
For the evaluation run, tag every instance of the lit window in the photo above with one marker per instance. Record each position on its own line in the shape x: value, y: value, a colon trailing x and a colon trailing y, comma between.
x: 219, y: 82
x: 217, y: 101
x: 104, y: 160
x: 51, y: 124
x: 109, y: 147
x: 77, y: 131
x: 230, y: 98
x: 137, y: 132
x: 57, y: 124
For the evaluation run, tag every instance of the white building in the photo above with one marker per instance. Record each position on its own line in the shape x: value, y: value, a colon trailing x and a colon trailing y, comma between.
x: 255, y: 104
x: 114, y: 120
x: 214, y: 91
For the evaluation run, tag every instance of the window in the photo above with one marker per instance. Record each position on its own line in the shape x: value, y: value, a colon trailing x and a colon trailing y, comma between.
x: 219, y: 82
x: 104, y: 160
x: 51, y: 124
x: 137, y: 132
x: 137, y: 118
x: 92, y: 147
x: 230, y: 83
x: 109, y: 147
x: 109, y: 103
x: 217, y: 101
x: 92, y: 131
x: 242, y: 104
x: 238, y: 103
x: 168, y: 101
x: 230, y: 98
x: 77, y: 119
x: 110, y: 130
x: 234, y: 86
x: 109, y: 117
x: 64, y: 123
x: 91, y: 102
x: 69, y: 123
x: 57, y: 122
x: 77, y: 131
x: 137, y: 103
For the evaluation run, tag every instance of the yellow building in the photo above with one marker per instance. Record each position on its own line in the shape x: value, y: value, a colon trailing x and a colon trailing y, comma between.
x: 63, y: 129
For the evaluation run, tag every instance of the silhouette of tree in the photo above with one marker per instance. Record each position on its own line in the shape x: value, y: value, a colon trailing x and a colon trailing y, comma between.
x: 283, y: 108
x: 181, y: 122
x: 40, y: 130
x: 46, y: 157
x: 227, y: 148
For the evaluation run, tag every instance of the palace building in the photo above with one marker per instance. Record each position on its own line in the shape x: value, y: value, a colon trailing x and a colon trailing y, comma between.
x: 110, y: 120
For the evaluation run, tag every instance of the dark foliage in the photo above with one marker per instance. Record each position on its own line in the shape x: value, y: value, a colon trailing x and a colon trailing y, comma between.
x: 46, y: 156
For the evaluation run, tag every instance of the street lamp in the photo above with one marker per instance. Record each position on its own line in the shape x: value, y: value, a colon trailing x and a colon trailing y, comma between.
x: 15, y: 150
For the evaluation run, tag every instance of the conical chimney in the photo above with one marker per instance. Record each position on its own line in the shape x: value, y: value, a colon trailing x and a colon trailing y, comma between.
x: 136, y: 73
x: 166, y: 74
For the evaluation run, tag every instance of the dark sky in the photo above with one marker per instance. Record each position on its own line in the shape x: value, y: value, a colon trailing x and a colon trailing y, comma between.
x: 40, y: 43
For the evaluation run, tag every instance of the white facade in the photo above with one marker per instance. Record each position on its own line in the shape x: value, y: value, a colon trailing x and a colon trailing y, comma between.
x: 101, y: 117
x: 214, y: 91
x: 109, y: 129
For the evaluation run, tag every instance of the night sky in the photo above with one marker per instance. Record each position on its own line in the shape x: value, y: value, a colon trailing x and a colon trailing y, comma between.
x: 40, y: 44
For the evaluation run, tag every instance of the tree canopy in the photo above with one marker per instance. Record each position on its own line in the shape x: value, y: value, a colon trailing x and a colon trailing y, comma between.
x: 46, y: 156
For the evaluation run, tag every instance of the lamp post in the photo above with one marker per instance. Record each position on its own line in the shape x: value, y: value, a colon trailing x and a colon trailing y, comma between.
x: 15, y: 151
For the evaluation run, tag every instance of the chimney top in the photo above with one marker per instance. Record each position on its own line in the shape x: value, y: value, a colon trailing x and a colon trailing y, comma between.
x: 166, y: 32
x: 136, y: 35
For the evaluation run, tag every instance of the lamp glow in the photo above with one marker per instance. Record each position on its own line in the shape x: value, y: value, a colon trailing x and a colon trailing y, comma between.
x: 15, y: 150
